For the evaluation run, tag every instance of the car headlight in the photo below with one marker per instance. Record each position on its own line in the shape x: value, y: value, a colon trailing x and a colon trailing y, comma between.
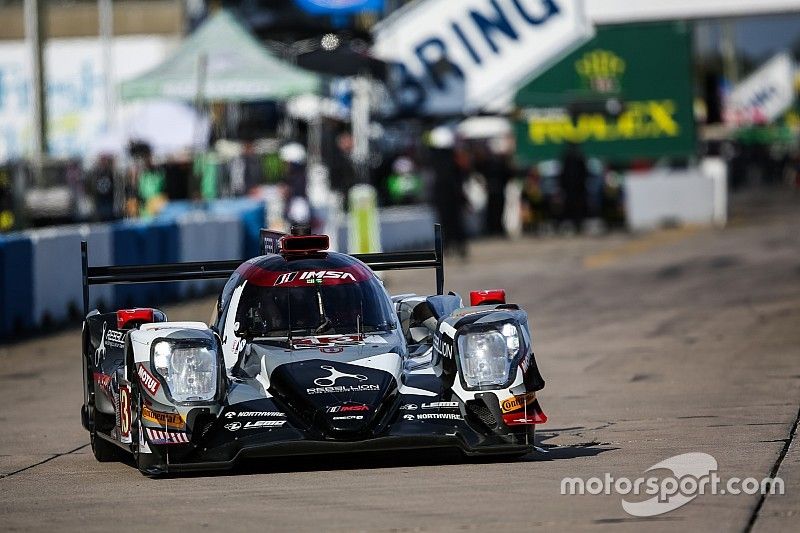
x: 487, y: 356
x: 189, y: 369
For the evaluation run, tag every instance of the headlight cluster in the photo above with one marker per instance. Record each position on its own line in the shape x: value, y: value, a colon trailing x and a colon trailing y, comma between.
x: 189, y: 369
x: 487, y: 356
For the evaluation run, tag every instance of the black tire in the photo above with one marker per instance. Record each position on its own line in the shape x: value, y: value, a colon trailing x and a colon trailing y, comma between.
x: 104, y: 451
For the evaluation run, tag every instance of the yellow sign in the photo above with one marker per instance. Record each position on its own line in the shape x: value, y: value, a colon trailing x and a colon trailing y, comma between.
x: 6, y: 220
x: 651, y: 119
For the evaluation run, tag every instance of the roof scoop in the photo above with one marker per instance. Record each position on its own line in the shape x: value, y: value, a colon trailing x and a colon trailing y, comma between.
x: 301, y: 241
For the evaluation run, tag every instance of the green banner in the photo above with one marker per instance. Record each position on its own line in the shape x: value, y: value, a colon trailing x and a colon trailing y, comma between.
x: 626, y: 94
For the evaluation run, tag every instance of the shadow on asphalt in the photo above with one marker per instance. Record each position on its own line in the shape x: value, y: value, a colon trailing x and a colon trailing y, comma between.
x: 398, y: 459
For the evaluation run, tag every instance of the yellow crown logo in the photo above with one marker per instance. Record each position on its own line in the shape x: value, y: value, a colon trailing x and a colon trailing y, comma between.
x: 602, y: 69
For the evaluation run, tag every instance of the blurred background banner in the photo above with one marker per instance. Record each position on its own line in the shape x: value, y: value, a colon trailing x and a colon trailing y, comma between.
x: 627, y: 94
x: 763, y: 96
x: 74, y: 87
x: 334, y: 7
x: 452, y: 58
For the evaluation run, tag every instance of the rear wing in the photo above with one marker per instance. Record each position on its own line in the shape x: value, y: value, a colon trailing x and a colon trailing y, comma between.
x: 116, y: 275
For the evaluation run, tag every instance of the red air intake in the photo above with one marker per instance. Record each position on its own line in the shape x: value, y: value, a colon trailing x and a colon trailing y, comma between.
x: 139, y: 316
x: 490, y: 297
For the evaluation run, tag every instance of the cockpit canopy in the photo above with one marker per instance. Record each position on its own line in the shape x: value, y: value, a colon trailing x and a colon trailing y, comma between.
x: 328, y: 294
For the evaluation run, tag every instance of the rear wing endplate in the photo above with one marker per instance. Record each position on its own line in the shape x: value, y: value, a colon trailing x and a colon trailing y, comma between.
x: 115, y: 275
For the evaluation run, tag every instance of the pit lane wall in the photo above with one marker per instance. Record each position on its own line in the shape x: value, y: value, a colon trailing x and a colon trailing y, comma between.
x: 40, y: 270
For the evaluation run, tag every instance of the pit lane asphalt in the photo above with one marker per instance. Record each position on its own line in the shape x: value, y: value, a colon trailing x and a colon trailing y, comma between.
x: 652, y: 346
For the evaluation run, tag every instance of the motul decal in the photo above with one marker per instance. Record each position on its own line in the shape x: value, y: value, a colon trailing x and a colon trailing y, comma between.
x: 125, y: 413
x: 148, y: 381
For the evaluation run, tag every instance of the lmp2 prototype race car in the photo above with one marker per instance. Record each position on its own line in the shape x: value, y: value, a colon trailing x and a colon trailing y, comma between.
x: 306, y: 353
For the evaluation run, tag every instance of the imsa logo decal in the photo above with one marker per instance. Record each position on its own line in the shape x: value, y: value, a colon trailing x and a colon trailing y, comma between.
x: 314, y: 277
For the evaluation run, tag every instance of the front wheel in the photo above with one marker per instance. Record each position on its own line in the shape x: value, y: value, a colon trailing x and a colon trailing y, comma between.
x: 104, y: 451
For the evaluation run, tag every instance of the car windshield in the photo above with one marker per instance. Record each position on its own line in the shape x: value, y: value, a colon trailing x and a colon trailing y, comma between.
x: 316, y: 309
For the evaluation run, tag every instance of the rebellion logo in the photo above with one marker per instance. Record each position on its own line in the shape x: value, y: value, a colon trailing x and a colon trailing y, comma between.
x: 149, y: 382
x: 515, y: 403
x: 443, y: 347
x: 335, y: 375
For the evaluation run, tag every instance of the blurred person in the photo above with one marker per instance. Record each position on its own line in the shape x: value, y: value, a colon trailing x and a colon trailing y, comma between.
x: 573, y: 181
x: 295, y: 184
x: 404, y: 185
x: 246, y: 170
x: 496, y: 169
x: 151, y: 188
x: 448, y: 190
x: 101, y: 184
x: 533, y: 201
x: 206, y: 174
x: 343, y: 172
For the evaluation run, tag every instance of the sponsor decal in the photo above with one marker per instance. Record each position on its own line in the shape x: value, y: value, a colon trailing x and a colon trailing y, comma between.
x: 255, y: 424
x: 104, y: 382
x: 253, y: 414
x: 345, y: 388
x: 347, y: 408
x: 125, y: 413
x: 169, y: 420
x: 434, y: 416
x: 439, y: 416
x: 285, y: 278
x: 350, y: 417
x: 157, y: 436
x: 440, y: 405
x: 100, y: 352
x: 445, y: 348
x: 515, y: 403
x: 335, y: 375
x: 148, y: 381
x: 115, y: 338
x: 311, y: 278
x: 110, y: 337
x: 328, y: 343
x: 409, y: 407
x: 331, y: 349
